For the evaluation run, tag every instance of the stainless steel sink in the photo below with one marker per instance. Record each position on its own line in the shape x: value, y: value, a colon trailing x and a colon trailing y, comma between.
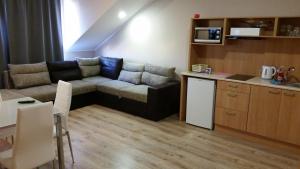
x: 294, y: 85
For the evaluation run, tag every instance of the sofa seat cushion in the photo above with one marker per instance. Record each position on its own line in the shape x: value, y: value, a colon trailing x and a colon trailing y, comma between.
x: 113, y: 87
x: 136, y: 92
x: 42, y: 93
x: 81, y: 87
x: 7, y: 94
x: 97, y: 79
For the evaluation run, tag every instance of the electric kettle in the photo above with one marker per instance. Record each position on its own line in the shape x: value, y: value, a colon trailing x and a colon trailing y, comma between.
x: 268, y: 72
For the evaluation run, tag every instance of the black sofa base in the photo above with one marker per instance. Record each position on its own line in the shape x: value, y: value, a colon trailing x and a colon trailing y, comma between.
x: 162, y: 101
x: 122, y: 104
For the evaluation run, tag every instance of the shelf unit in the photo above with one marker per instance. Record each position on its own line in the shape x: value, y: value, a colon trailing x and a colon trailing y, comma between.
x: 271, y: 27
x: 246, y: 55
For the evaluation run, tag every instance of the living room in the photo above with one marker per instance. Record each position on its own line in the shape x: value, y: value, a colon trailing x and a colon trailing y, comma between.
x: 150, y: 84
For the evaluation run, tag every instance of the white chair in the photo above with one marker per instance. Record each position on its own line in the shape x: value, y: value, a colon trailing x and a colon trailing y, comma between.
x: 33, y: 145
x: 62, y: 105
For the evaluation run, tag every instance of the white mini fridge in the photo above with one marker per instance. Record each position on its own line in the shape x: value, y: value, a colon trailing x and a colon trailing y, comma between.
x: 200, y: 102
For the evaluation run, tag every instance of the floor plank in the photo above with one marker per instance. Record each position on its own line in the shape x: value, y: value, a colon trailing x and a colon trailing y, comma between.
x: 109, y: 139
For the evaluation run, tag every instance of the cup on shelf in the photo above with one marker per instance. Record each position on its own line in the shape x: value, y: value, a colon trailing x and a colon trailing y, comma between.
x: 289, y: 30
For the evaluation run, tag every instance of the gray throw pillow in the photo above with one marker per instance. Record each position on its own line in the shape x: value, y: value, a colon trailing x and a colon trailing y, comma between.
x: 88, y: 61
x: 29, y: 75
x: 130, y: 77
x: 159, y: 70
x: 133, y: 67
x: 89, y: 66
x: 153, y: 79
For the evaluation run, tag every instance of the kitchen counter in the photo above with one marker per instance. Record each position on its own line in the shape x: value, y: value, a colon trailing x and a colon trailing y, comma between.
x: 254, y: 81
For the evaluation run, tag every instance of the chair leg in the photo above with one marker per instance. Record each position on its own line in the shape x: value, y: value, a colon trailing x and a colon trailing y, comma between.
x: 70, y: 145
x: 53, y: 164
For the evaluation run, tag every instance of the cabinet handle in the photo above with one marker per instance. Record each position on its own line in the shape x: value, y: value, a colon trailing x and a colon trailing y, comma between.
x: 233, y: 86
x: 272, y: 92
x: 232, y: 95
x: 290, y: 95
x: 230, y: 114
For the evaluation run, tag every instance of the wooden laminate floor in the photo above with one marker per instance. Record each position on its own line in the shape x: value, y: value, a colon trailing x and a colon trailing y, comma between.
x: 107, y: 139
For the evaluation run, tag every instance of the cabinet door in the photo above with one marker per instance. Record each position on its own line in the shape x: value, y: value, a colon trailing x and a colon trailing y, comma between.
x: 289, y: 118
x: 231, y: 118
x: 264, y: 111
x: 232, y: 100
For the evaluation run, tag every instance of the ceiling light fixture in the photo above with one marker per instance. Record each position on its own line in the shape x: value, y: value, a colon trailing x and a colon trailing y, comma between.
x: 122, y: 14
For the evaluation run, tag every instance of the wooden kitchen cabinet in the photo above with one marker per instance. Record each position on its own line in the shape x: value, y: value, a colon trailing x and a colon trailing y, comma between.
x: 231, y: 118
x: 288, y: 129
x: 263, y: 112
x: 232, y: 103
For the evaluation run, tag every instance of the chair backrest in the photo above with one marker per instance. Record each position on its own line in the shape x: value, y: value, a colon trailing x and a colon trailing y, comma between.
x: 34, y: 136
x: 63, y: 101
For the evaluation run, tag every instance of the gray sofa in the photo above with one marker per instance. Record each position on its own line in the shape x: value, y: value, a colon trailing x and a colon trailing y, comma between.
x: 131, y: 88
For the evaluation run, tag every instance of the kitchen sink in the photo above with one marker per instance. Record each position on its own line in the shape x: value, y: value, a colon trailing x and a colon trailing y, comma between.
x: 294, y: 85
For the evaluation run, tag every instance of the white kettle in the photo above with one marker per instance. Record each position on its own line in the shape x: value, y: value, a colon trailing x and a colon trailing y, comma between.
x: 268, y: 72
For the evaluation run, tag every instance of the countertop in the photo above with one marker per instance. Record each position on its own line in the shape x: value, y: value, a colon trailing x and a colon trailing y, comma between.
x: 254, y: 81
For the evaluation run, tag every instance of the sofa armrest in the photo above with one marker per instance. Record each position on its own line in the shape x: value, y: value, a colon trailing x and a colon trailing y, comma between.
x: 8, y: 84
x: 163, y: 100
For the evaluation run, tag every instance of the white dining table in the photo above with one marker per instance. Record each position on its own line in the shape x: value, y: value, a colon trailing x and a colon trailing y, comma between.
x: 8, y: 119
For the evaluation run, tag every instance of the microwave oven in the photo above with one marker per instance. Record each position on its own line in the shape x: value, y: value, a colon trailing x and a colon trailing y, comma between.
x: 208, y: 35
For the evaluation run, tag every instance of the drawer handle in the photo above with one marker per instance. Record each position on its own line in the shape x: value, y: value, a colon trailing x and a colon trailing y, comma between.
x: 290, y: 95
x: 230, y: 114
x: 232, y: 95
x: 272, y: 92
x: 233, y: 86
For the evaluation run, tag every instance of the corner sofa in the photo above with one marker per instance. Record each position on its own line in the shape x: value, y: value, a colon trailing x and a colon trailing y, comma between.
x: 144, y: 90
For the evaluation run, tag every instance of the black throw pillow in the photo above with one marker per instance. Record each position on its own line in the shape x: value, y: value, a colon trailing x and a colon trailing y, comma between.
x: 64, y: 70
x: 111, y: 67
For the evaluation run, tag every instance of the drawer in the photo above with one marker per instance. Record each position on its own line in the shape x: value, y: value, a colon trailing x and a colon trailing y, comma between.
x: 232, y: 86
x: 232, y: 100
x: 231, y: 118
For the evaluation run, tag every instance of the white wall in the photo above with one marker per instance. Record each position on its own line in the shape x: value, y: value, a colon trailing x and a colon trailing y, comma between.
x: 159, y: 34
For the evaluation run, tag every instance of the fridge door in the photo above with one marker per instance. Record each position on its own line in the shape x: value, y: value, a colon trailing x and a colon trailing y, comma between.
x: 200, y: 102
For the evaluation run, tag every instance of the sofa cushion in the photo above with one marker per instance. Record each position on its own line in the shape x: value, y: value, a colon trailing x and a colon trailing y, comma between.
x: 96, y: 79
x: 110, y: 67
x: 89, y: 66
x: 64, y: 70
x: 42, y: 93
x: 29, y: 75
x: 133, y: 67
x: 81, y: 87
x: 153, y: 79
x: 159, y: 70
x: 10, y: 94
x: 136, y: 92
x: 130, y: 77
x: 113, y: 87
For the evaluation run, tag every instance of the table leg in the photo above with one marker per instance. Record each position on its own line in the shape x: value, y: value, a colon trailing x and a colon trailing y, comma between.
x: 60, y: 146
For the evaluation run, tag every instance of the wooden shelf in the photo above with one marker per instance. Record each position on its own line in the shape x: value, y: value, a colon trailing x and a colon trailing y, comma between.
x: 207, y: 44
x: 251, y: 37
x: 230, y: 37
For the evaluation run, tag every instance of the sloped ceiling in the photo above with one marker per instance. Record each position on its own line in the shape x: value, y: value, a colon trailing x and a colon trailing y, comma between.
x: 108, y: 24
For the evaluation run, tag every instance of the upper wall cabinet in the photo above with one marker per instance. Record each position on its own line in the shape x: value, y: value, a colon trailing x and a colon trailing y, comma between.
x: 288, y: 27
x: 266, y: 25
x: 198, y: 31
x: 269, y: 27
